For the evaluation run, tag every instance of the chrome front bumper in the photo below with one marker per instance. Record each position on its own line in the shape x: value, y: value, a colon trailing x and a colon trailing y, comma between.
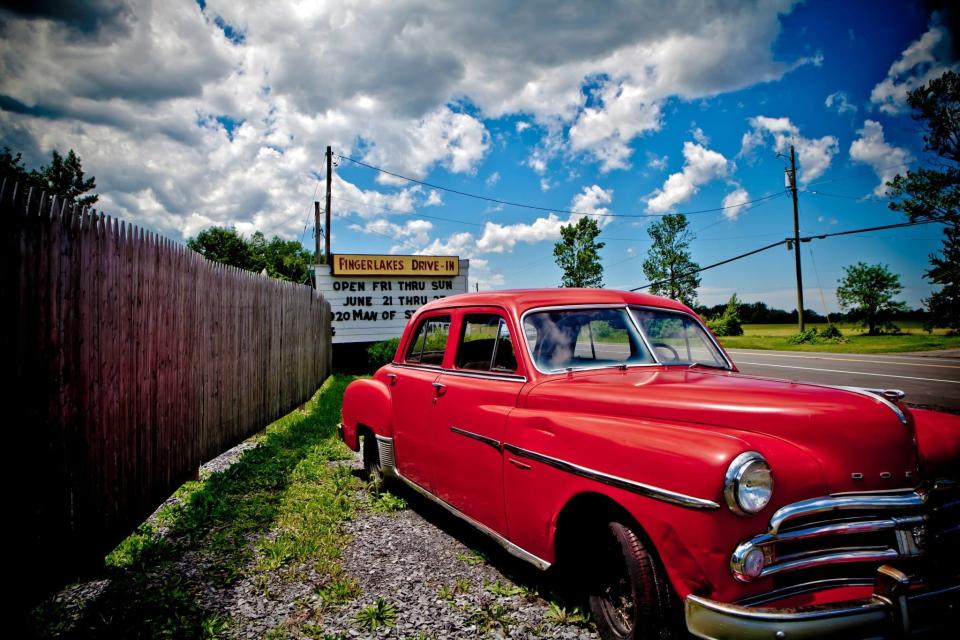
x: 894, y: 611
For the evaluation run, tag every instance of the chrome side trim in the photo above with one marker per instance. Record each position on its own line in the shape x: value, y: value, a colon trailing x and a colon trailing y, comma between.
x: 506, y: 377
x: 664, y: 495
x: 466, y: 374
x: 510, y: 547
x: 879, y: 398
x: 835, y: 503
x: 493, y: 442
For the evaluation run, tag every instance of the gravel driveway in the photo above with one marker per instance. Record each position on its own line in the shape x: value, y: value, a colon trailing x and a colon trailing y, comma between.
x: 408, y: 556
x: 442, y: 578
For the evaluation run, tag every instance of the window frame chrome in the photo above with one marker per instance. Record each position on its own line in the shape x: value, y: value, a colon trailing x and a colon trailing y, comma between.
x: 643, y: 336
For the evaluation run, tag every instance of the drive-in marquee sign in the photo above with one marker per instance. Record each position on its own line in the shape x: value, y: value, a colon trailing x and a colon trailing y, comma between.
x: 372, y: 296
x: 415, y: 266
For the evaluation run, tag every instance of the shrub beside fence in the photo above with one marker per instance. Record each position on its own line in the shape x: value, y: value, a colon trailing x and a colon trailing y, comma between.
x: 134, y: 360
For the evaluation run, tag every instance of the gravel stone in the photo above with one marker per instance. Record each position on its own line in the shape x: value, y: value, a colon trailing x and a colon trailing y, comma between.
x: 403, y: 557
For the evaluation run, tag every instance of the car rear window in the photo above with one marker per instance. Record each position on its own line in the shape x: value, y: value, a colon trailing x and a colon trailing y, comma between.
x: 485, y: 345
x: 429, y: 341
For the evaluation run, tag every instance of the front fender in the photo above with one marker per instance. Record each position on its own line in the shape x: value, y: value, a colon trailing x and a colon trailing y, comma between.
x: 938, y: 443
x: 366, y: 402
x: 694, y: 543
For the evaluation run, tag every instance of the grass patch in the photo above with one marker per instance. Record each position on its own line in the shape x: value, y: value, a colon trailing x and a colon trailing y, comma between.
x: 273, y: 513
x: 913, y: 337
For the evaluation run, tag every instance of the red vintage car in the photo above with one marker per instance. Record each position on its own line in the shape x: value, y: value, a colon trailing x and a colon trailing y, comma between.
x: 610, y: 434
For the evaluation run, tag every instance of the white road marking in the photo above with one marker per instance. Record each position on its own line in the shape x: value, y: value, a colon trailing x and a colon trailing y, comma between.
x: 859, y: 373
x: 820, y: 357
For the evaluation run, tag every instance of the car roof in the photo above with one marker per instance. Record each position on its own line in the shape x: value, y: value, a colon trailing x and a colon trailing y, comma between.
x: 522, y: 300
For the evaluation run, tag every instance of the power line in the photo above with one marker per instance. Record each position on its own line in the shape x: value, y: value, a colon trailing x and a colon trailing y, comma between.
x: 408, y: 213
x: 551, y: 209
x: 780, y: 242
x: 715, y: 264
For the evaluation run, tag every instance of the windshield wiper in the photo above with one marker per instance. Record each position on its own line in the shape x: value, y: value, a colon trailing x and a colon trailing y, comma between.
x: 708, y: 365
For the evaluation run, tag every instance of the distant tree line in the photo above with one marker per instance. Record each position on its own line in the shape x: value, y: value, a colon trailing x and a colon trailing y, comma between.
x: 283, y: 259
x: 761, y: 313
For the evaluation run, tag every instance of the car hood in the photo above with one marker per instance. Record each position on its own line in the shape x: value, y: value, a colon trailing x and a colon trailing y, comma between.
x: 857, y: 439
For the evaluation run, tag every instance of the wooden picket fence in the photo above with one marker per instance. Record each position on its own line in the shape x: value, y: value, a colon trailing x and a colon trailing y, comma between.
x: 134, y: 360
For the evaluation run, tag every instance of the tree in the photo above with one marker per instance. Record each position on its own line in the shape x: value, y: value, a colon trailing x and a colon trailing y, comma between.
x: 944, y: 305
x: 578, y: 254
x: 282, y: 259
x: 224, y: 245
x: 935, y: 193
x: 11, y: 167
x: 728, y: 322
x: 669, y: 266
x: 63, y: 177
x: 867, y: 292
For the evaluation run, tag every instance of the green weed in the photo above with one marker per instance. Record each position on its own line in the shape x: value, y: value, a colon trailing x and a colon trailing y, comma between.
x: 379, y: 614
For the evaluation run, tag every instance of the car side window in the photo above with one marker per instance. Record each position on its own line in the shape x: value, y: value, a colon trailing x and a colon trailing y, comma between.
x: 429, y: 341
x: 485, y: 345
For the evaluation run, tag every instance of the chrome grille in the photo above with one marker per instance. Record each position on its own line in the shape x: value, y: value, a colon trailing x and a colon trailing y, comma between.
x: 385, y: 448
x: 848, y: 535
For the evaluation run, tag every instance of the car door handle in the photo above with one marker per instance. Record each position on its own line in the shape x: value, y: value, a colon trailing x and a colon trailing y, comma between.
x: 519, y: 465
x: 439, y: 386
x: 393, y: 378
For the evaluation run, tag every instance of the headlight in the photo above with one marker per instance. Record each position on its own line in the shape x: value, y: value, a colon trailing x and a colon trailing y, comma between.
x: 748, y: 485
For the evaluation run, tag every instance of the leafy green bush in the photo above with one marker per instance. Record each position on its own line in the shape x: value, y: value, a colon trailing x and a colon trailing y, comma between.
x: 830, y: 335
x: 831, y: 332
x: 380, y: 353
x: 810, y: 336
x: 728, y: 322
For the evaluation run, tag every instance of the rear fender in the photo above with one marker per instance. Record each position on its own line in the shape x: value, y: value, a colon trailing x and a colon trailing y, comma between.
x: 366, y: 403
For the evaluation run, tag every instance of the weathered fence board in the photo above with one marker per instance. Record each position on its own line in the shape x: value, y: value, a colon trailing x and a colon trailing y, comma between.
x: 134, y: 361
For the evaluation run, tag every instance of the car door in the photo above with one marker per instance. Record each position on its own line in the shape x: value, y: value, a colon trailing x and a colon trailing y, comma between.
x: 476, y: 394
x: 414, y: 394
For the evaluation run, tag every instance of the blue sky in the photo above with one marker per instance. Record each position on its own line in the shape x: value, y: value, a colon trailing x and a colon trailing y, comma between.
x: 195, y: 115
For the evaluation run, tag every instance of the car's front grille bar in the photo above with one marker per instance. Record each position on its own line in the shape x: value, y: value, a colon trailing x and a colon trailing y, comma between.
x: 849, y: 529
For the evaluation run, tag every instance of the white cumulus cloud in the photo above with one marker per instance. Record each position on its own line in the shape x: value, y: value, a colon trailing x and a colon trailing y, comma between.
x: 701, y: 165
x: 925, y: 59
x: 885, y: 159
x: 814, y: 154
x: 735, y: 202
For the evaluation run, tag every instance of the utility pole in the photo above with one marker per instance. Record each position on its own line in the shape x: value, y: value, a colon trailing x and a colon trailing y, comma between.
x: 796, y: 236
x: 326, y: 235
x: 316, y: 231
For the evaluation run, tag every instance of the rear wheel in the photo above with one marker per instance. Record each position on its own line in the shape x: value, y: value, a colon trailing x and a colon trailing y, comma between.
x: 630, y: 598
x: 371, y: 460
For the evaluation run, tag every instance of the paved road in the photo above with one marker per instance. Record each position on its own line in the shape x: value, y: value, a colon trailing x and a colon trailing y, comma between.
x: 929, y: 379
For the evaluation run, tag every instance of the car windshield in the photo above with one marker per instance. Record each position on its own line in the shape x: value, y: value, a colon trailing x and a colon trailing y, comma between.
x: 678, y: 339
x: 583, y: 338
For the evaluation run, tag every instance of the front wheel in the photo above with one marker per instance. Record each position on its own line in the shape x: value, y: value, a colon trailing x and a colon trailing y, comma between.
x: 631, y: 598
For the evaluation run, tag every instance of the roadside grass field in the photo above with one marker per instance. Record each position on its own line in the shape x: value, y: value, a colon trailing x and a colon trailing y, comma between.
x: 912, y: 337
